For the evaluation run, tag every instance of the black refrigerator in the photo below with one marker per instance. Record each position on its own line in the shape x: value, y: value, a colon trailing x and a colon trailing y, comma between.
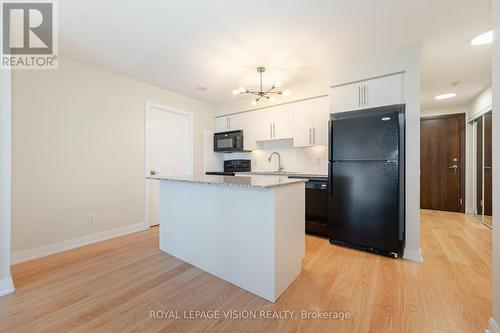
x: 366, y: 181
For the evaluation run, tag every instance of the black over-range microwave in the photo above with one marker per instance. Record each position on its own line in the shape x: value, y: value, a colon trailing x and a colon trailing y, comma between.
x: 228, y: 142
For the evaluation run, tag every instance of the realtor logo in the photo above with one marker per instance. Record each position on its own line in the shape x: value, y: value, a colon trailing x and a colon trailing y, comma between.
x: 29, y: 35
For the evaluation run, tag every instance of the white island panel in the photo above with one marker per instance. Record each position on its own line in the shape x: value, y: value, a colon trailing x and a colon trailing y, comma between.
x: 251, y: 237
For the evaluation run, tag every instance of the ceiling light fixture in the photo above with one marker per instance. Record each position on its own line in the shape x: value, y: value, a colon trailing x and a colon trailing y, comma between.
x: 262, y: 93
x: 445, y: 96
x: 483, y: 39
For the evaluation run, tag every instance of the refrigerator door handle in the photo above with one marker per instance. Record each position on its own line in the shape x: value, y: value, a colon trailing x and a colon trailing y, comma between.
x: 330, y: 125
x: 330, y: 182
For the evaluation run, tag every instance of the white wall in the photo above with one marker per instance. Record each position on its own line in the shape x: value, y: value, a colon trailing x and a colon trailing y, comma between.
x: 312, y: 160
x: 78, y: 136
x: 480, y: 104
x: 6, y: 285
x: 496, y: 166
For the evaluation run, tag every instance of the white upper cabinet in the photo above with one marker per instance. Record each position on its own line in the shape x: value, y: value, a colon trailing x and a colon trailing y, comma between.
x: 311, y: 122
x: 346, y: 97
x: 303, y: 124
x: 222, y: 124
x: 275, y: 122
x: 321, y: 116
x: 283, y: 121
x: 386, y: 90
x: 306, y: 122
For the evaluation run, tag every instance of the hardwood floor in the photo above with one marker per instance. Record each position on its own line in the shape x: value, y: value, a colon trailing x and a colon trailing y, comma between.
x: 112, y: 287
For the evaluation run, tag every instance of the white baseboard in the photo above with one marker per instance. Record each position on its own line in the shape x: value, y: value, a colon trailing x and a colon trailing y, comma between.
x: 412, y: 254
x: 6, y: 286
x: 45, y: 250
x: 492, y: 327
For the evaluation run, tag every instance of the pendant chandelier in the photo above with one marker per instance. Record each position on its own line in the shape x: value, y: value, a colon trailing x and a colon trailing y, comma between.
x: 267, y: 94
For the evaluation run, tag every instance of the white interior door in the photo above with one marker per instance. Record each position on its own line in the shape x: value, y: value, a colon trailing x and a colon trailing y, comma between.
x: 169, y: 151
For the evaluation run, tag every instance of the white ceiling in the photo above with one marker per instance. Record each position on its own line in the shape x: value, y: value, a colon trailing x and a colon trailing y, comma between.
x: 179, y: 45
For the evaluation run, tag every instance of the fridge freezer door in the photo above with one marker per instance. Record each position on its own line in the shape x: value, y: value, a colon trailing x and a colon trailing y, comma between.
x: 364, y: 204
x: 365, y: 137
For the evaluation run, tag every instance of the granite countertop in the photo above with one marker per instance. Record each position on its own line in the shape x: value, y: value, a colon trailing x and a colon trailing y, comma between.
x: 283, y: 174
x: 248, y: 181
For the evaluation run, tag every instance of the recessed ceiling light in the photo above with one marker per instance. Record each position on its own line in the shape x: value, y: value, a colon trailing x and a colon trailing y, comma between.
x: 201, y: 88
x: 482, y: 39
x: 445, y: 96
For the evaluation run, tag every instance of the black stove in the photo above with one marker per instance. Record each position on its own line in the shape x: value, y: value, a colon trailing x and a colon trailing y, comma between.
x: 233, y: 166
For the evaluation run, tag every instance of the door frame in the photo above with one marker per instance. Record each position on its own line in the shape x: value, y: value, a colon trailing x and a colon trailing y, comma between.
x: 190, y: 169
x: 463, y: 159
x: 471, y: 121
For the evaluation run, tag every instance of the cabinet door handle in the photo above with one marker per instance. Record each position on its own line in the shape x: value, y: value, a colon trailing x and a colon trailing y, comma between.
x: 309, y: 136
x: 365, y: 94
x: 274, y: 131
x: 314, y: 136
x: 271, y: 130
x: 359, y: 96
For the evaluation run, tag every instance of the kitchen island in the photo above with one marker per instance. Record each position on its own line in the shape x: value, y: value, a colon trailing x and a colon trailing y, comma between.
x: 247, y: 230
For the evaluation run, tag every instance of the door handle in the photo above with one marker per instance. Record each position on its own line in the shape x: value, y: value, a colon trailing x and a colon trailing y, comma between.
x: 153, y: 172
x: 454, y: 167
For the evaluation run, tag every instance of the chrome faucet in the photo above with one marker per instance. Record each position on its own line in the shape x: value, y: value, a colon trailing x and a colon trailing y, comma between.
x: 280, y: 166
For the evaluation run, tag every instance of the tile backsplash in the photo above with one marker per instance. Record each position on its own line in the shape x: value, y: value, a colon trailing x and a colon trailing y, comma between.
x: 312, y: 160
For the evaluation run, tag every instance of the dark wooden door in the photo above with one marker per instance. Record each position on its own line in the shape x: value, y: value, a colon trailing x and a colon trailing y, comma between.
x: 487, y: 165
x: 479, y: 166
x: 442, y: 157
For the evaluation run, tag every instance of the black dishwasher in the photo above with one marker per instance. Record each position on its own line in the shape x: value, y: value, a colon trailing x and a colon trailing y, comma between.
x: 316, y: 205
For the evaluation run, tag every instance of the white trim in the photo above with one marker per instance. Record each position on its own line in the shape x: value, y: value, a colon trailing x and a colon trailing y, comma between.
x: 147, y: 106
x: 492, y: 327
x: 480, y: 113
x: 414, y: 255
x: 45, y: 250
x: 6, y: 286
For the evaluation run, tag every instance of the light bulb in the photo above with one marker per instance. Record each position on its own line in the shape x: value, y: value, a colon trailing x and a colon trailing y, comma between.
x: 236, y: 91
x: 287, y: 93
x: 271, y: 98
x: 254, y: 102
x: 242, y: 90
x: 483, y: 39
x: 277, y: 84
x: 445, y: 96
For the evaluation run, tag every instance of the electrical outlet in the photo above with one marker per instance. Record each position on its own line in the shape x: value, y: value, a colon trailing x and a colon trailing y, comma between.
x: 91, y: 219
